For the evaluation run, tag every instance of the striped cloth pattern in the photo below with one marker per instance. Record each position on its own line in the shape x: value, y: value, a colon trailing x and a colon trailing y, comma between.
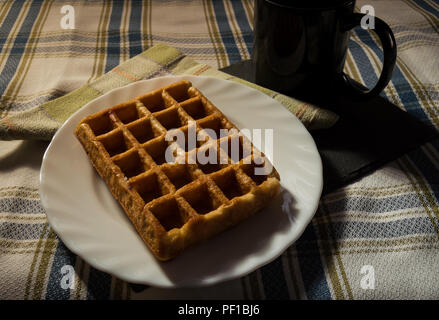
x: 42, y: 121
x: 388, y: 221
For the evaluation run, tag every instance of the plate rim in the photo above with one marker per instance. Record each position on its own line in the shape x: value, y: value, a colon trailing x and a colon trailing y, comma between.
x: 95, y: 264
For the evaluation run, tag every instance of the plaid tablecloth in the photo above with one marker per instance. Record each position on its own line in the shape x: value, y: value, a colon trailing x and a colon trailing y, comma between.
x: 375, y: 239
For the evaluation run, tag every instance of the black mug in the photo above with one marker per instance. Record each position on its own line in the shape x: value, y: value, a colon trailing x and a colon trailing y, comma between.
x: 300, y: 47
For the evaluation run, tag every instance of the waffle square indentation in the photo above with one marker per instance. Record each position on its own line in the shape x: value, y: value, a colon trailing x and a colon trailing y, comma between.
x: 130, y: 163
x: 209, y: 167
x: 178, y: 174
x: 153, y: 101
x: 235, y: 148
x: 216, y: 128
x: 170, y: 118
x: 142, y: 130
x: 156, y: 148
x: 101, y: 124
x: 186, y: 138
x: 148, y: 186
x: 230, y: 183
x: 256, y: 170
x: 127, y: 112
x: 178, y: 93
x: 195, y: 108
x: 200, y: 198
x: 169, y: 213
x: 208, y: 158
x: 114, y: 142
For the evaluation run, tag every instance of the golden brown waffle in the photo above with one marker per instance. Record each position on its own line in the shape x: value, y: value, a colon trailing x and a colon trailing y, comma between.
x: 175, y: 205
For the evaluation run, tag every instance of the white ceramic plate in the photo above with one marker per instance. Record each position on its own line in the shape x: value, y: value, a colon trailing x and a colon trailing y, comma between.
x: 91, y: 223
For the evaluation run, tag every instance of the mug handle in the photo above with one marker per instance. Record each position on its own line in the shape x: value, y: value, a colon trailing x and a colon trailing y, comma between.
x: 388, y: 44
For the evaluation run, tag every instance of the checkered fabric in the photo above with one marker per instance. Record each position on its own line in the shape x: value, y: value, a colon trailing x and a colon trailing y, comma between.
x: 41, y: 121
x: 386, y: 224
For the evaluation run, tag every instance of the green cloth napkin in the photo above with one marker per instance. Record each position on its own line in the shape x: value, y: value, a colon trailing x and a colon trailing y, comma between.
x: 41, y: 123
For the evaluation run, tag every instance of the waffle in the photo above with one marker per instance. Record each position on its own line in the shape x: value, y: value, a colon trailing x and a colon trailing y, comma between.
x: 176, y: 204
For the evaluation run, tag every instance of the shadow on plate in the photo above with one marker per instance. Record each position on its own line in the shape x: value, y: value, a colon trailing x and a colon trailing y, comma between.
x: 244, y: 242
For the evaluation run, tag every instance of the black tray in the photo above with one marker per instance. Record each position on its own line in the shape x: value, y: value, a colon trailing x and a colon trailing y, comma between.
x: 367, y: 135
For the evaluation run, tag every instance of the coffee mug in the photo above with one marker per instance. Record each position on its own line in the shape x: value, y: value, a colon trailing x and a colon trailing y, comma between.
x: 300, y: 47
